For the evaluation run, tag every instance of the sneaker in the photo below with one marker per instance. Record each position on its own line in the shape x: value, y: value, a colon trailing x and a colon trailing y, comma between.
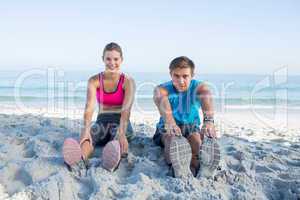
x: 72, y: 153
x: 111, y: 155
x: 209, y: 157
x: 180, y: 157
x: 73, y: 158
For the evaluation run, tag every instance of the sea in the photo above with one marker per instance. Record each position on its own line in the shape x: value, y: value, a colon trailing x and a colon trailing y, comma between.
x: 67, y: 89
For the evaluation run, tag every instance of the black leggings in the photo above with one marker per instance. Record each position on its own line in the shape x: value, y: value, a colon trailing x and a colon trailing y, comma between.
x: 105, y: 128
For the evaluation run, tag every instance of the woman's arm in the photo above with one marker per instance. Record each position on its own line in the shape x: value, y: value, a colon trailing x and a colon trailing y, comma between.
x: 129, y: 89
x: 89, y: 109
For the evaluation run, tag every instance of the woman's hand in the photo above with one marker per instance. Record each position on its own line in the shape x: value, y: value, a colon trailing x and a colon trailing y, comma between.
x: 85, y: 136
x: 123, y: 144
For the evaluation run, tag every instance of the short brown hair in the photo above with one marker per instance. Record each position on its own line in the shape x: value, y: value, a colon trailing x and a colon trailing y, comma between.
x: 182, y: 62
x: 112, y: 46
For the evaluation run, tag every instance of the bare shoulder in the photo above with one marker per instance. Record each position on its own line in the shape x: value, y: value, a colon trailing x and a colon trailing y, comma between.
x: 203, y: 87
x: 127, y: 77
x: 94, y: 80
x: 159, y: 90
x: 128, y: 80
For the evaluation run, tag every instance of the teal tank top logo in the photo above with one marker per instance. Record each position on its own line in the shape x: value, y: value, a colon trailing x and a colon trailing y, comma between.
x: 185, y: 105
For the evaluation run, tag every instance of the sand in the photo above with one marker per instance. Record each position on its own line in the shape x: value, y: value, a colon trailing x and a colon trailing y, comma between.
x: 258, y: 162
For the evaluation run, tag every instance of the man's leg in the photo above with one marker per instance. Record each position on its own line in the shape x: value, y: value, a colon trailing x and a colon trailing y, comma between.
x: 195, y: 142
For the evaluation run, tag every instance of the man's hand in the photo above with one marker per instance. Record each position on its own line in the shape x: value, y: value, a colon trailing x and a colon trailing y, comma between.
x: 208, y: 129
x: 173, y: 129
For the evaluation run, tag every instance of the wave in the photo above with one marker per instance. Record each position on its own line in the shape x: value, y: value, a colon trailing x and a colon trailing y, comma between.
x: 146, y: 99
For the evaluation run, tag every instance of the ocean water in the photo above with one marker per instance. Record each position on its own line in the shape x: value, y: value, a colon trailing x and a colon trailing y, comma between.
x: 67, y: 89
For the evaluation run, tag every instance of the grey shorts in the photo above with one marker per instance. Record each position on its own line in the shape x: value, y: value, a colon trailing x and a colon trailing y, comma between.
x: 186, y: 130
x: 105, y: 128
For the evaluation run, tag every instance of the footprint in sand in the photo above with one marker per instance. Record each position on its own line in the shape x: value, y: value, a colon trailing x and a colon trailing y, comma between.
x: 293, y: 163
x: 15, y: 178
x: 57, y: 145
x: 29, y: 151
x: 86, y: 189
x: 23, y: 176
x: 283, y: 189
x: 295, y: 146
x: 239, y: 155
x: 262, y: 169
x: 238, y: 167
x: 230, y: 149
x: 236, y: 162
x: 258, y: 148
x: 18, y: 140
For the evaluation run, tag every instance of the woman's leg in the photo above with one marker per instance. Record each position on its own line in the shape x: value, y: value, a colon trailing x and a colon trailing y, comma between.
x: 87, y: 149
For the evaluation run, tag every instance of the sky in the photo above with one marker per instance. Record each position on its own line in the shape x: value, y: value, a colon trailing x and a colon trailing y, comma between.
x: 255, y: 37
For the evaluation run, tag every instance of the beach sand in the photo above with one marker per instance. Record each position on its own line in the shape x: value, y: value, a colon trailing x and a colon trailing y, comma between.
x: 258, y: 162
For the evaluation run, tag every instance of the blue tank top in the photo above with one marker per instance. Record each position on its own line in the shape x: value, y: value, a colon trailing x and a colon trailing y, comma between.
x: 185, y: 105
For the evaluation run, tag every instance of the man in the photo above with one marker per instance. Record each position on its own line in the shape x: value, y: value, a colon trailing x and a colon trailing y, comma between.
x: 178, y: 102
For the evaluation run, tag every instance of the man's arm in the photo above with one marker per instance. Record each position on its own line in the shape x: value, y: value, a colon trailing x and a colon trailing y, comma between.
x: 207, y: 109
x: 161, y: 100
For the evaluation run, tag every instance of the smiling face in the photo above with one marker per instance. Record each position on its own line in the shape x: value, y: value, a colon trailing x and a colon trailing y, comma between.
x: 112, y: 60
x: 181, y: 78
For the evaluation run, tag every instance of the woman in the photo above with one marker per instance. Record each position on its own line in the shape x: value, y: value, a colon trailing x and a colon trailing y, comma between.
x: 114, y: 92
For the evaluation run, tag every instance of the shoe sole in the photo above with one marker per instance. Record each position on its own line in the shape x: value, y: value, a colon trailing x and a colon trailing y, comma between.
x: 72, y: 153
x: 111, y: 155
x: 180, y: 157
x: 209, y: 157
x: 167, y: 151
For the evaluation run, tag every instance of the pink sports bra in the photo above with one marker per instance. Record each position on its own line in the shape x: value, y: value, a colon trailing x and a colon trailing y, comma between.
x: 114, y: 98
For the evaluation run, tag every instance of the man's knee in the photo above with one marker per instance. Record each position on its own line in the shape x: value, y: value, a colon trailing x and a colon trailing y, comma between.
x: 195, y: 142
x: 166, y: 138
x: 195, y: 139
